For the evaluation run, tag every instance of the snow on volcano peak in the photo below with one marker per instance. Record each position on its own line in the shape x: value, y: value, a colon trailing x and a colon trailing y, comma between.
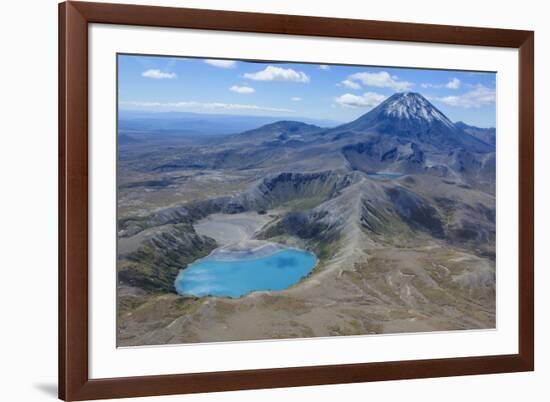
x: 413, y: 106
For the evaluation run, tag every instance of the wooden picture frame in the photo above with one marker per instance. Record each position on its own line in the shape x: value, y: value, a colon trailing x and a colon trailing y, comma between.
x: 74, y: 381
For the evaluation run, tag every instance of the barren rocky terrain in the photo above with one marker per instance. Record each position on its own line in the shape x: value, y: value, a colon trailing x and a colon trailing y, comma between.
x: 408, y: 252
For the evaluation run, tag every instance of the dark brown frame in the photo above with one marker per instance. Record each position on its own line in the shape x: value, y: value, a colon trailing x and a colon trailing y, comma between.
x: 74, y: 17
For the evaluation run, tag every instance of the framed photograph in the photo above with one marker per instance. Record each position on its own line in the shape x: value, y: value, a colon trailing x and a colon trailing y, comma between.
x: 260, y: 200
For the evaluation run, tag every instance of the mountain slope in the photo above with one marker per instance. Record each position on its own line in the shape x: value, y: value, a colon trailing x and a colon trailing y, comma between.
x: 276, y: 133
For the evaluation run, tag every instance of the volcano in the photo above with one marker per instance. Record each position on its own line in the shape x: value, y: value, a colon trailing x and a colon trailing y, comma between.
x: 410, y: 115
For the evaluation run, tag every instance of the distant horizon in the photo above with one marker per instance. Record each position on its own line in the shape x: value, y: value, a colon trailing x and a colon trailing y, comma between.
x: 302, y: 119
x: 295, y: 91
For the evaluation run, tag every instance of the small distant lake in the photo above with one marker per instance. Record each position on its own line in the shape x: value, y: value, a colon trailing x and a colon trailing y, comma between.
x: 238, y: 273
x: 385, y: 175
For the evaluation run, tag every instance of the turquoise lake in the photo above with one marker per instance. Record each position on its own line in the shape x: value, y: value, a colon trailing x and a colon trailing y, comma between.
x: 236, y: 277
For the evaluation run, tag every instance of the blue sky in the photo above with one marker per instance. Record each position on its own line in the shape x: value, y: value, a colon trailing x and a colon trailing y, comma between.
x: 294, y: 90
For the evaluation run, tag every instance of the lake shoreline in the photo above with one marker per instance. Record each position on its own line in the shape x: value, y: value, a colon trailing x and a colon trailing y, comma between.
x: 238, y: 271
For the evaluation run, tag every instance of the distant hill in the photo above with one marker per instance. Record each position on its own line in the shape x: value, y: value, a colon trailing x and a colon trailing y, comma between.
x: 488, y: 135
x: 278, y: 133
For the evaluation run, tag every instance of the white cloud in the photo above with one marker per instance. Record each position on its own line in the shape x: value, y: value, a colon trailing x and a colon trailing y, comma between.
x: 157, y: 74
x: 368, y: 100
x: 272, y: 73
x: 242, y: 89
x: 480, y: 96
x: 221, y: 63
x: 186, y: 105
x: 296, y: 99
x: 351, y: 84
x: 381, y: 80
x: 453, y: 84
x: 324, y: 67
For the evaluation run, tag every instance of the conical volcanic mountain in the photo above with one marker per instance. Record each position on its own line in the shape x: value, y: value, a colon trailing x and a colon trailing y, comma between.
x: 410, y: 115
